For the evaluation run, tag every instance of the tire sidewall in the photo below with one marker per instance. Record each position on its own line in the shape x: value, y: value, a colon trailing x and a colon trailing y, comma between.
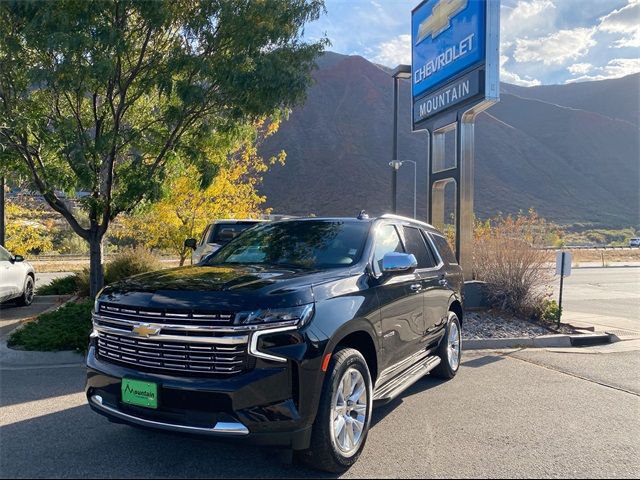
x: 24, y: 300
x: 357, y: 362
x: 453, y: 318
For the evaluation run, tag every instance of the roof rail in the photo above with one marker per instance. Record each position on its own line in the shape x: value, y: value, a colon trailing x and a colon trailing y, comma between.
x: 408, y: 219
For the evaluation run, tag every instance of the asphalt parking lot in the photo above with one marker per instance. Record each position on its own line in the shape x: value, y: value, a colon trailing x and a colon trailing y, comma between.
x: 530, y: 413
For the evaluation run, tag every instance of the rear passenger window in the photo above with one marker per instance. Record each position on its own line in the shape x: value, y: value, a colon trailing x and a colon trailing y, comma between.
x: 386, y: 240
x: 414, y: 243
x: 443, y: 248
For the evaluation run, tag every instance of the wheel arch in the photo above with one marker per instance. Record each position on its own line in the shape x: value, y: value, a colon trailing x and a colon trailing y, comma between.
x: 362, y: 341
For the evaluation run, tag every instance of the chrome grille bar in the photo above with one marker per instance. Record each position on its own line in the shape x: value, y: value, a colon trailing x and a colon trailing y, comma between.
x: 161, y: 355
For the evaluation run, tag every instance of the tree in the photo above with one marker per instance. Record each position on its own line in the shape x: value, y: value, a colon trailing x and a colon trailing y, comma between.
x: 108, y: 98
x: 187, y: 208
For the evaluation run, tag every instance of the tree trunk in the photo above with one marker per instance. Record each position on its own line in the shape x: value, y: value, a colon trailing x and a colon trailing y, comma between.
x: 96, y: 267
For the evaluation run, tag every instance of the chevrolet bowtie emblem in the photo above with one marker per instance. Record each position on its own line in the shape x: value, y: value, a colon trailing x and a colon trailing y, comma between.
x: 440, y: 18
x: 146, y: 329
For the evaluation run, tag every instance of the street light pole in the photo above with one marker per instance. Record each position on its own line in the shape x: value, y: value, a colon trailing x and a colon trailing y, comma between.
x: 401, y: 71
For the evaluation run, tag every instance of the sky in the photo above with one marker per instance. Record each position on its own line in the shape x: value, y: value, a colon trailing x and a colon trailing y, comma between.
x: 541, y: 41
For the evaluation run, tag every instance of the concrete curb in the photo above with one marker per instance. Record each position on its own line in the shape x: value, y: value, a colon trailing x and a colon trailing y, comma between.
x: 544, y: 341
x: 59, y: 300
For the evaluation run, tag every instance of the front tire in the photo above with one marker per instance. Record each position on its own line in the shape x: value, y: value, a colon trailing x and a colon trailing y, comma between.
x: 27, y: 296
x: 450, y: 350
x: 344, y: 414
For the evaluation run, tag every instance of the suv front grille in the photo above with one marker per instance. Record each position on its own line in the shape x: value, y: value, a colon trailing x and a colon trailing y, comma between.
x: 173, y: 316
x: 176, y: 357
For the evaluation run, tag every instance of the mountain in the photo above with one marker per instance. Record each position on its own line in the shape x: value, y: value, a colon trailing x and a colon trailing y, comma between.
x: 569, y: 151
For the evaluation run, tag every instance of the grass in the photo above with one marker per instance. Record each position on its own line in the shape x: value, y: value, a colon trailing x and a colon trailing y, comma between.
x: 66, y: 328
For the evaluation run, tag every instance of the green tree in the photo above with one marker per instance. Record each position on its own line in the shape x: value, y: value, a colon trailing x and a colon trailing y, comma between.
x: 108, y: 97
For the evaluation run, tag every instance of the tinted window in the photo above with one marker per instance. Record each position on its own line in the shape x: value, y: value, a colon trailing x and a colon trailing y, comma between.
x: 297, y: 243
x: 387, y: 240
x: 414, y: 243
x: 4, y: 255
x: 443, y: 248
x: 222, y: 232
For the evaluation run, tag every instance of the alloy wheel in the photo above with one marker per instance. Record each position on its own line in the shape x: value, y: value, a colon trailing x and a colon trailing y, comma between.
x: 349, y: 412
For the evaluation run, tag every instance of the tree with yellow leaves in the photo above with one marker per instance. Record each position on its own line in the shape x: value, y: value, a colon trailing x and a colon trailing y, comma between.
x: 188, y: 207
x: 26, y: 236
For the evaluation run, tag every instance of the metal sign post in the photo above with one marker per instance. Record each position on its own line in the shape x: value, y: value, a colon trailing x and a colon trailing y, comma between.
x: 455, y: 76
x: 563, y: 268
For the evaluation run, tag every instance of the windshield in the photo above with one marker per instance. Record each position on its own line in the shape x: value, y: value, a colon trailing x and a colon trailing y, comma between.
x: 297, y: 243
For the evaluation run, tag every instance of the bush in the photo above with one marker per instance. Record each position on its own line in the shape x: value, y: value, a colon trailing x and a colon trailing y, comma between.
x: 517, y: 274
x: 130, y: 262
x: 550, y: 311
x: 60, y: 286
x: 66, y: 328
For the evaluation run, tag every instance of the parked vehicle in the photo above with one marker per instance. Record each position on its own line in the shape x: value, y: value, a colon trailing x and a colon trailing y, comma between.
x: 634, y: 242
x: 217, y: 234
x: 17, y: 279
x: 288, y: 336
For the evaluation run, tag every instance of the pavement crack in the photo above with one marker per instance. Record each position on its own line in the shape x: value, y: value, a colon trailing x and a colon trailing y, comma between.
x: 571, y: 374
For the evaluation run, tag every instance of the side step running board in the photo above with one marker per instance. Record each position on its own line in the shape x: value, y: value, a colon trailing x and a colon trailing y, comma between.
x: 393, y: 388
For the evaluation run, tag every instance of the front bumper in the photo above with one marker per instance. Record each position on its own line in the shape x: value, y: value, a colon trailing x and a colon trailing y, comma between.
x: 260, y: 406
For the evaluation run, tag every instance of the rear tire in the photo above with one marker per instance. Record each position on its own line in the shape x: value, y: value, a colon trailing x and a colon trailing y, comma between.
x: 450, y: 350
x: 27, y: 296
x: 342, y: 423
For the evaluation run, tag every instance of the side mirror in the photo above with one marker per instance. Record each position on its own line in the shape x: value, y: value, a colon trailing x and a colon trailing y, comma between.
x: 18, y: 258
x: 395, y: 262
x: 191, y: 243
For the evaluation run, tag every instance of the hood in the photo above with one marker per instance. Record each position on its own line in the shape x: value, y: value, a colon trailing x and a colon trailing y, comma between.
x: 229, y: 287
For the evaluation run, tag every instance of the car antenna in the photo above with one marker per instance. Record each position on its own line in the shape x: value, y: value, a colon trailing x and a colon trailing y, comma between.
x: 363, y: 215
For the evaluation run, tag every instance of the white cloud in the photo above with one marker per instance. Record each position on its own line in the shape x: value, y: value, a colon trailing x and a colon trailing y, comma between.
x: 624, y: 21
x: 557, y: 48
x: 525, y: 18
x: 579, y: 68
x: 514, y: 78
x: 618, y: 67
x: 395, y: 51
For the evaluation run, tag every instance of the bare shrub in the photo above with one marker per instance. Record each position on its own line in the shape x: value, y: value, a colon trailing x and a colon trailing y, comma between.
x: 517, y: 274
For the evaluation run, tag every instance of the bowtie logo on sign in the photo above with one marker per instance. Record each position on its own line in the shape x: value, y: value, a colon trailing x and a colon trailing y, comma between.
x: 440, y: 18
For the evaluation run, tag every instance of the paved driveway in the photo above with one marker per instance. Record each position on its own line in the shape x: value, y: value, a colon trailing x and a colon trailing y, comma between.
x: 525, y: 414
x: 608, y: 298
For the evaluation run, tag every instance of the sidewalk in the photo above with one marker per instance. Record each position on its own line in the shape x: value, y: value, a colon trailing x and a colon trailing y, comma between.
x: 11, y: 315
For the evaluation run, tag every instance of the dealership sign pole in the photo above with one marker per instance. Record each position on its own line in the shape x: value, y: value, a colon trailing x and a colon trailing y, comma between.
x: 455, y: 75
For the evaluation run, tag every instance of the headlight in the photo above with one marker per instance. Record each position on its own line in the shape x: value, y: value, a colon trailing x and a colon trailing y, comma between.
x: 301, y: 315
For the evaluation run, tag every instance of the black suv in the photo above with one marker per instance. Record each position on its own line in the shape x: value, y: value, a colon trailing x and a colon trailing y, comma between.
x: 287, y: 336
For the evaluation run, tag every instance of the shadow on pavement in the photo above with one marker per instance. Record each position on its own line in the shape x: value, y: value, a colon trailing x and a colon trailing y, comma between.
x: 78, y: 443
x: 16, y: 386
x: 482, y: 361
x: 422, y: 385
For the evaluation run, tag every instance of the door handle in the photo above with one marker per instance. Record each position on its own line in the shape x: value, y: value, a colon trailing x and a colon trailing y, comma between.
x: 416, y: 287
x: 443, y: 282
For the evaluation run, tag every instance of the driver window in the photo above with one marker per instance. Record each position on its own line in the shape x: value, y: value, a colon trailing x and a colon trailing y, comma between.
x: 386, y: 240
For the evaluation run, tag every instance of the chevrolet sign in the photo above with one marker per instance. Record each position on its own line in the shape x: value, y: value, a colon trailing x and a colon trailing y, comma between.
x: 451, y: 39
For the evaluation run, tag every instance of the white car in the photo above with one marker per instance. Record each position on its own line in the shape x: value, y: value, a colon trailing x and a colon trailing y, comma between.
x: 17, y: 279
x: 634, y: 242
